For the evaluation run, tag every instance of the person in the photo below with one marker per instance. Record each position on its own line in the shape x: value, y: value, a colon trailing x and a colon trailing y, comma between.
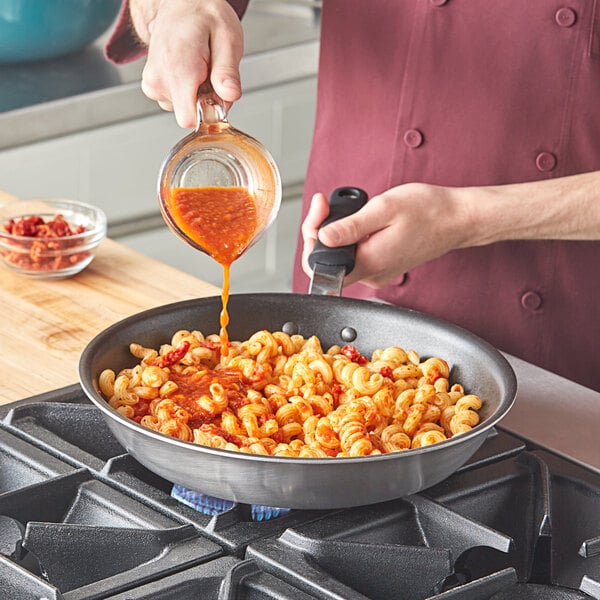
x: 474, y: 127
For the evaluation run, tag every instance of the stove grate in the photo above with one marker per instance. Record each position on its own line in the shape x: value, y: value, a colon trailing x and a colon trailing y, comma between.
x: 80, y: 518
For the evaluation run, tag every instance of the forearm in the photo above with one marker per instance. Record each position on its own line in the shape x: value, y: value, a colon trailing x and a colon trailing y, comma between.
x: 566, y: 208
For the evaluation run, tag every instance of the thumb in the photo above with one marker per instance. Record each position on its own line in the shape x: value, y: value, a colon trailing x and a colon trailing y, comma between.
x: 349, y: 230
x: 226, y: 83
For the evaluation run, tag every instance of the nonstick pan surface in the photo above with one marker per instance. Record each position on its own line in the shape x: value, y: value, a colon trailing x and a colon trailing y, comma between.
x: 305, y: 483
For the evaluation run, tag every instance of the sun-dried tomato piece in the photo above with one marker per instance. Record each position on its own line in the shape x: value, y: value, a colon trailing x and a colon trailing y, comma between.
x: 387, y: 372
x: 27, y: 226
x: 354, y: 355
x: 172, y: 357
x: 43, y: 255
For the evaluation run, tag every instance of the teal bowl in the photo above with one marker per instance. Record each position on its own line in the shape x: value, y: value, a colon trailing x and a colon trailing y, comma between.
x: 32, y: 30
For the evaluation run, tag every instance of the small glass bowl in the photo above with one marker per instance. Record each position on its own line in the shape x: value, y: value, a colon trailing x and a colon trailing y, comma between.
x: 53, y: 256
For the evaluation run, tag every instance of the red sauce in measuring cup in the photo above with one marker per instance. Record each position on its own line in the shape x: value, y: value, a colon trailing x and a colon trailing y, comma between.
x: 221, y: 220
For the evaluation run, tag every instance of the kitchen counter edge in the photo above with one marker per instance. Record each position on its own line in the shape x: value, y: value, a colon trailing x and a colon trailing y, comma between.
x: 124, y: 102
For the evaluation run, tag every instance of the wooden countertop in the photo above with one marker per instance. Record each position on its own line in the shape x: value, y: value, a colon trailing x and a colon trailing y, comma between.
x: 46, y: 324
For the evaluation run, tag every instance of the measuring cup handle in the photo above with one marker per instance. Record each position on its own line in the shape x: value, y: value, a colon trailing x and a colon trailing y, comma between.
x: 209, y: 107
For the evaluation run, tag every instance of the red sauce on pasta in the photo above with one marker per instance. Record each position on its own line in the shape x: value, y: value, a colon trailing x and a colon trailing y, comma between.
x: 223, y: 221
x: 213, y: 430
x: 190, y: 387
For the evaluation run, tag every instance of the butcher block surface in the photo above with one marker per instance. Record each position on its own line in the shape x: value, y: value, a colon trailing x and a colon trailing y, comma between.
x: 46, y: 324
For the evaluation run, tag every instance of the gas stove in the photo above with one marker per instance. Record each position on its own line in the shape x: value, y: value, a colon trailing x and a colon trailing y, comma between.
x: 81, y: 519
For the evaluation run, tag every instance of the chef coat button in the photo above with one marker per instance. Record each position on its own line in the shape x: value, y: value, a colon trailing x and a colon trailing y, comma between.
x: 545, y: 161
x: 413, y: 138
x: 565, y: 17
x: 531, y: 300
x: 439, y: 2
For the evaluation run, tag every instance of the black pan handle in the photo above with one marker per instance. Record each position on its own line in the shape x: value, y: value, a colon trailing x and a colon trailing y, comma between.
x: 343, y: 202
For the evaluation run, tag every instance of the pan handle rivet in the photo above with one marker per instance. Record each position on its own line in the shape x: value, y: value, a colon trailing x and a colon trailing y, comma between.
x: 290, y: 328
x: 348, y: 334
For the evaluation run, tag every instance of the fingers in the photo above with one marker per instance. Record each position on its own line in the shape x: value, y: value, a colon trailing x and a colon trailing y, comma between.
x: 208, y: 40
x: 356, y: 227
x: 182, y: 102
x: 377, y: 229
x: 165, y: 105
x: 317, y: 213
x: 184, y: 84
x: 174, y: 70
x: 227, y: 49
x: 349, y: 230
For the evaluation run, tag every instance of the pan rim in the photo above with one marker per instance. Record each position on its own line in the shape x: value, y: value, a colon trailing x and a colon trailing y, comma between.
x: 509, y: 378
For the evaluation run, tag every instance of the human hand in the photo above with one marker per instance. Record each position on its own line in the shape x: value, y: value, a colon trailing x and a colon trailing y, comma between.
x: 394, y: 232
x: 188, y: 41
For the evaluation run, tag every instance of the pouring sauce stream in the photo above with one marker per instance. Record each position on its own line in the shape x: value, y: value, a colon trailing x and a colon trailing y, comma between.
x: 223, y: 222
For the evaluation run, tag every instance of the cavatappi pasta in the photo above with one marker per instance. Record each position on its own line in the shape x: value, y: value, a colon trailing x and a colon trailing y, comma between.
x: 281, y: 395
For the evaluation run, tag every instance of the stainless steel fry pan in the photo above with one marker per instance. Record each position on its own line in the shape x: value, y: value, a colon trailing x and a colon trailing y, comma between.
x: 294, y: 482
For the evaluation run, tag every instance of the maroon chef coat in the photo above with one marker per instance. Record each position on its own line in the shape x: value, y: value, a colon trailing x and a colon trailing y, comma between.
x: 463, y: 93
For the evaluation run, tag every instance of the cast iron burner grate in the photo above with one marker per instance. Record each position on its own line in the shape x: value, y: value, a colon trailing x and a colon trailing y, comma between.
x: 80, y: 519
x: 534, y: 591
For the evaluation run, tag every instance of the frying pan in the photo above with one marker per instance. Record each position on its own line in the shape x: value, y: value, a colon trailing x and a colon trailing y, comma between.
x: 305, y: 483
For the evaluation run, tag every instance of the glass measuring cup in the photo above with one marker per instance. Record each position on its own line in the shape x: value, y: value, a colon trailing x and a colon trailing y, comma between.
x: 219, y: 189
